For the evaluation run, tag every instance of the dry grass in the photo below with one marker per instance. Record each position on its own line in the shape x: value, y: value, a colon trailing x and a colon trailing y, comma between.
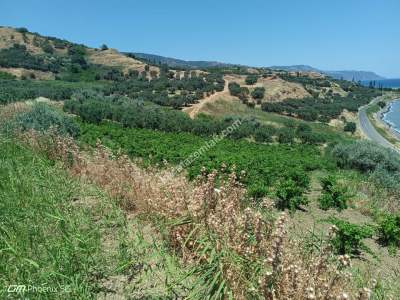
x: 10, y: 36
x: 276, y: 89
x: 236, y: 249
x: 9, y: 111
x: 19, y: 72
x: 113, y: 58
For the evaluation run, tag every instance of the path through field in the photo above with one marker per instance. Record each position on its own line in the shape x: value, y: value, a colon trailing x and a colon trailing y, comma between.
x: 194, y: 109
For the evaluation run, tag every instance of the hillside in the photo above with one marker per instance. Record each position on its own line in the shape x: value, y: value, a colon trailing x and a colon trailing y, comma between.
x: 346, y: 75
x: 122, y: 178
x: 48, y: 57
x: 179, y: 63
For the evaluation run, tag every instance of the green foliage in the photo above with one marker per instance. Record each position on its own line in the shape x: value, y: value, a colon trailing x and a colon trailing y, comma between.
x: 258, y: 93
x: 322, y: 109
x: 94, y: 107
x: 16, y: 90
x: 264, y: 165
x: 286, y: 135
x: 251, y: 79
x: 166, y: 90
x: 234, y: 88
x: 350, y: 127
x: 366, y: 156
x: 18, y: 57
x: 333, y: 194
x: 22, y: 30
x: 389, y: 231
x: 42, y: 117
x: 382, y: 164
x: 381, y: 104
x: 6, y: 76
x: 103, y: 47
x: 45, y: 239
x: 348, y: 237
x: 290, y: 195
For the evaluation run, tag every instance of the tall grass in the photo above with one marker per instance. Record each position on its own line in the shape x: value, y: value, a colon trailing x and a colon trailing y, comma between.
x: 43, y: 241
x: 236, y: 250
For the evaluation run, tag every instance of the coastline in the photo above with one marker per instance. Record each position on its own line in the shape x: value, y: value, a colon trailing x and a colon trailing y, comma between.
x: 380, y: 116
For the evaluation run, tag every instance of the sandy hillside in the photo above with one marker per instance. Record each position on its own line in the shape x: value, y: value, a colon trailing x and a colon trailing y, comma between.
x: 10, y: 36
x: 19, y: 72
x: 276, y: 89
x: 197, y: 108
x: 113, y: 58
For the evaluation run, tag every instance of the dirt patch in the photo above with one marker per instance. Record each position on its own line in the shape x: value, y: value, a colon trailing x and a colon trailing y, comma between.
x: 113, y: 58
x: 196, y: 108
x: 31, y: 74
x: 276, y: 89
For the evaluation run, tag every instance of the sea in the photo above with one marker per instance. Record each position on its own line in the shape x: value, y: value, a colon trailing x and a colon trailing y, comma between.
x: 392, y: 116
x: 386, y: 83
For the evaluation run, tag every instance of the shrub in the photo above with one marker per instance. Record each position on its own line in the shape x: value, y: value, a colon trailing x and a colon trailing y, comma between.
x: 251, y: 79
x: 389, y: 231
x: 350, y: 127
x: 347, y: 238
x: 22, y: 30
x: 389, y: 180
x: 42, y: 117
x: 234, y: 88
x: 290, y: 195
x: 381, y: 104
x: 366, y: 156
x: 333, y: 195
x: 285, y: 135
x: 7, y: 76
x: 258, y: 93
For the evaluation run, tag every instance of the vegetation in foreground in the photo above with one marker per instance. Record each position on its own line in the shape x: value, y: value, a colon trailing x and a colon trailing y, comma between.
x: 120, y: 222
x: 232, y: 246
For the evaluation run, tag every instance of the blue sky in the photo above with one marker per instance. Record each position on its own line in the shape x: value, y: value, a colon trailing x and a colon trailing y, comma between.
x: 331, y: 35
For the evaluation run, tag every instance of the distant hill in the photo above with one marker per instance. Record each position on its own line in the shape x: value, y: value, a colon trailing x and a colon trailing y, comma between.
x: 296, y: 68
x: 356, y: 75
x: 179, y: 63
x: 346, y: 75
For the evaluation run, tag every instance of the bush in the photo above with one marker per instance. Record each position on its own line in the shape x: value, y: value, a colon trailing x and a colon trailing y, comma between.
x: 350, y: 127
x: 258, y: 93
x: 366, y: 156
x: 389, y: 231
x: 234, y: 88
x: 290, y: 195
x: 333, y: 195
x: 251, y: 79
x: 348, y: 237
x: 285, y: 136
x: 42, y: 118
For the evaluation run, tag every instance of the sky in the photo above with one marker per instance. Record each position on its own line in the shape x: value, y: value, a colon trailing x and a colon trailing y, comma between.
x: 329, y: 35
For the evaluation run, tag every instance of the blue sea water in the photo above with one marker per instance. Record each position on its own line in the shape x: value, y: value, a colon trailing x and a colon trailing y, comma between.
x: 392, y: 117
x: 386, y: 83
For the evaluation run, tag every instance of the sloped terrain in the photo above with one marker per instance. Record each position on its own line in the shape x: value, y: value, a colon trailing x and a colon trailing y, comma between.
x: 113, y: 58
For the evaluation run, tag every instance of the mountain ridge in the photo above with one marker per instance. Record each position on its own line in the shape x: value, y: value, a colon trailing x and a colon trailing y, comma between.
x: 193, y: 64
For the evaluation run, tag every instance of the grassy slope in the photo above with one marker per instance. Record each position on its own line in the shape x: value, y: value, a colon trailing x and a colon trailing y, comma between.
x: 61, y: 234
x: 221, y: 107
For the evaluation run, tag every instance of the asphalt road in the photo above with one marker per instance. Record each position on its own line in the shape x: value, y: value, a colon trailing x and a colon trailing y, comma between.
x: 369, y: 130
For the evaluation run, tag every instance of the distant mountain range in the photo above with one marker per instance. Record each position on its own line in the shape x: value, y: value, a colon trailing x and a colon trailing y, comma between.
x: 173, y: 62
x: 346, y: 75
